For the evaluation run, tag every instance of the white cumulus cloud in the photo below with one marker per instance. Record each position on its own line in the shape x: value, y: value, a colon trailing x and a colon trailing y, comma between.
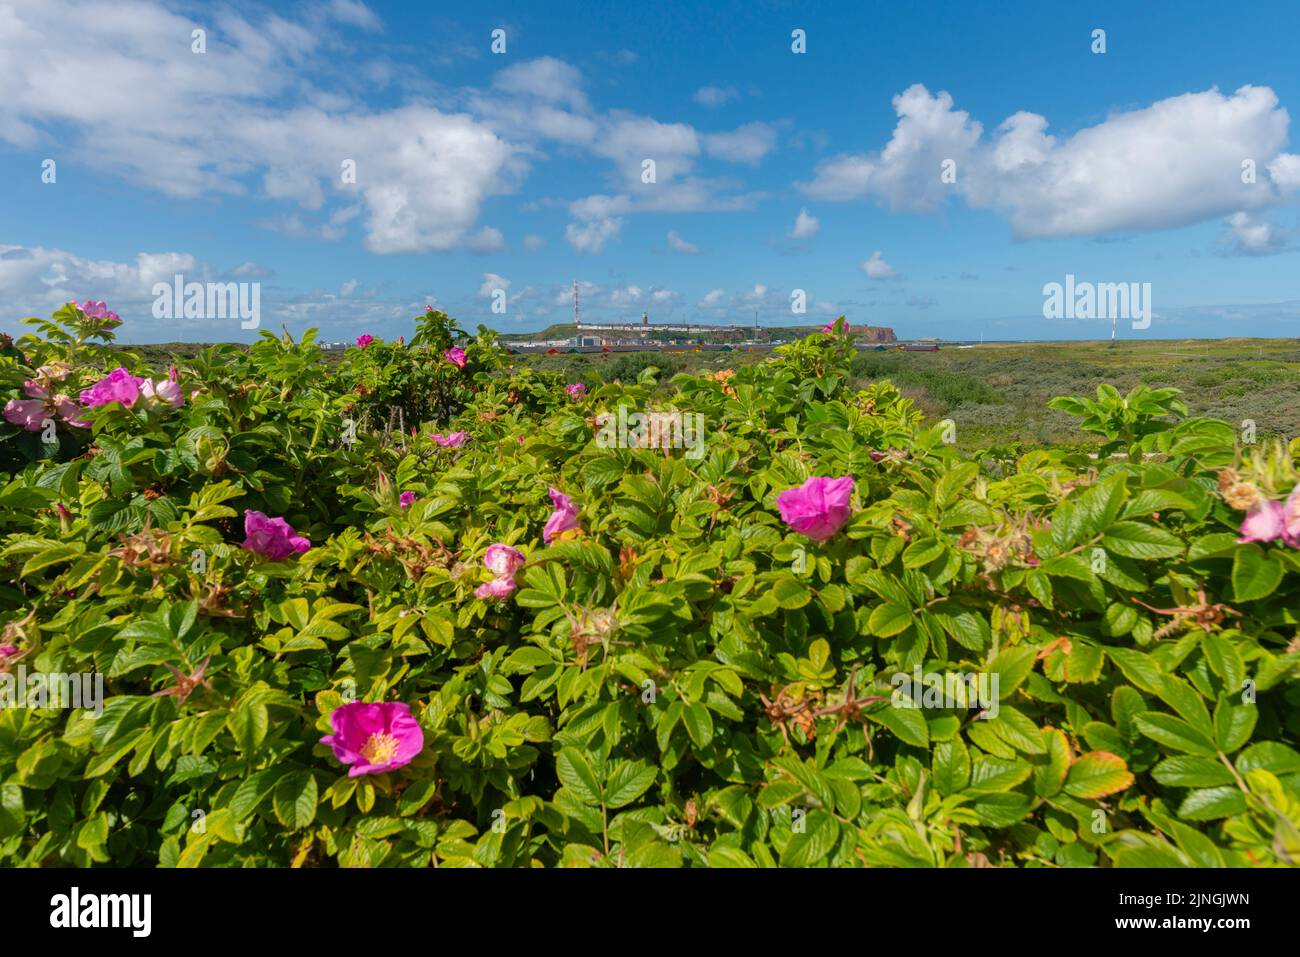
x: 491, y: 283
x: 805, y: 226
x: 1175, y: 162
x: 715, y: 96
x: 679, y: 245
x: 876, y: 268
x: 487, y: 240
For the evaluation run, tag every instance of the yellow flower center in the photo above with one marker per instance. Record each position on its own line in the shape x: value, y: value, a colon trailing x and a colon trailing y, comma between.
x: 379, y: 748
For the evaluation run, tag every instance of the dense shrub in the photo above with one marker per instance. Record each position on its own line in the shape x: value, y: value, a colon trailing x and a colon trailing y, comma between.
x: 674, y: 675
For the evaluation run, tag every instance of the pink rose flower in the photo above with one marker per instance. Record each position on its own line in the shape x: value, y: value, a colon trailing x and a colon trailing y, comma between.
x: 118, y: 386
x: 272, y: 538
x: 29, y: 413
x: 1291, y: 517
x: 563, y: 519
x: 502, y: 560
x: 576, y: 390
x: 456, y: 356
x: 1273, y: 521
x: 98, y: 309
x: 374, y: 737
x: 496, y: 588
x: 8, y: 655
x: 364, y: 340
x: 40, y: 405
x: 70, y: 411
x: 166, y: 391
x: 453, y: 441
x: 1263, y: 523
x: 817, y: 508
x: 406, y: 498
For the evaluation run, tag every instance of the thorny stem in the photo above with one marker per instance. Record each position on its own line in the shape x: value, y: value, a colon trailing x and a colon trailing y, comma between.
x: 604, y: 826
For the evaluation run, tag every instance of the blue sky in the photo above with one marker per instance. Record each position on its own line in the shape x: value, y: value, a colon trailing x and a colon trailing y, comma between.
x: 775, y: 171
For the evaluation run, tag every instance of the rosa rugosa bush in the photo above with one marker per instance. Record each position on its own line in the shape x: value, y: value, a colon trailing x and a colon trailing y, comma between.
x: 810, y: 633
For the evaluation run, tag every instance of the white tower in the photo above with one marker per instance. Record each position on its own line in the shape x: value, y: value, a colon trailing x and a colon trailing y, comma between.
x: 577, y: 316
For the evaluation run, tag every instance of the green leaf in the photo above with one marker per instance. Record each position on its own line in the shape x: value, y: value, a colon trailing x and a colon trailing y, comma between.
x: 1254, y: 574
x: 1049, y: 775
x: 950, y: 765
x: 1271, y: 756
x: 1002, y: 809
x: 1233, y: 725
x: 1096, y: 775
x: 951, y: 482
x: 120, y: 715
x: 994, y: 774
x: 722, y: 856
x: 295, y: 800
x: 1224, y: 659
x: 907, y: 724
x: 814, y: 843
x: 1211, y: 804
x: 253, y: 790
x: 790, y: 593
x: 1011, y: 667
x: 888, y: 620
x: 699, y: 724
x: 656, y: 855
x: 809, y: 777
x: 1162, y: 855
x: 1139, y: 540
x: 1191, y: 771
x: 1189, y: 704
x: 1212, y: 545
x: 575, y: 772
x: 52, y: 556
x: 1174, y: 733
x: 1139, y: 668
x: 416, y: 796
x: 627, y: 782
x: 1017, y: 730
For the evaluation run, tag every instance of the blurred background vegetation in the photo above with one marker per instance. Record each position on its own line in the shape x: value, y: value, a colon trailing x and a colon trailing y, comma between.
x: 997, y: 393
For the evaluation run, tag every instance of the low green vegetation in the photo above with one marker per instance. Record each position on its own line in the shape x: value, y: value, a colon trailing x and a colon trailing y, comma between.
x: 997, y: 394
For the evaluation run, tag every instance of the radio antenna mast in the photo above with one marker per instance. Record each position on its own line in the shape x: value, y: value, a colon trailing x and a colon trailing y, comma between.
x: 577, y: 316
